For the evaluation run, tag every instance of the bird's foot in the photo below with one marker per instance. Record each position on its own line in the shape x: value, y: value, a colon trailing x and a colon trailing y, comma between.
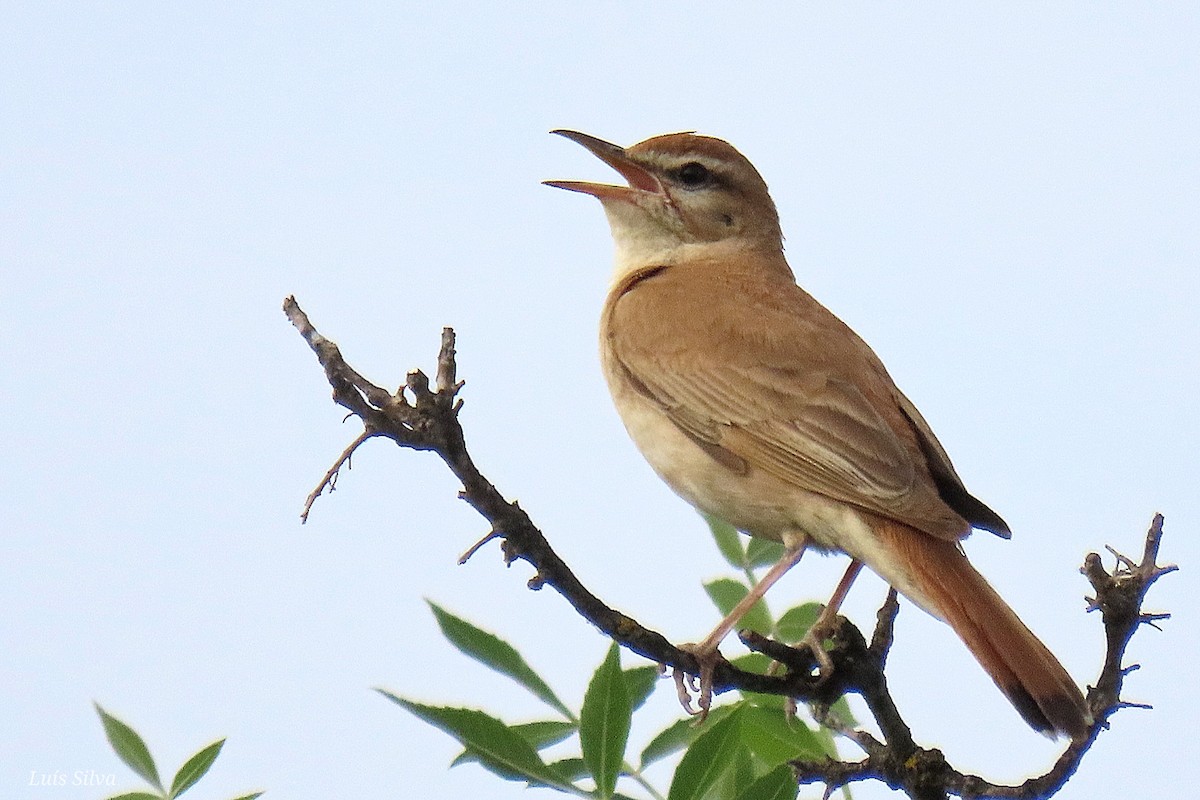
x: 700, y: 685
x: 814, y: 640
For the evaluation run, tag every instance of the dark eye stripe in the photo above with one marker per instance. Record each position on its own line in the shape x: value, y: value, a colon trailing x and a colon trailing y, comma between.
x: 694, y: 175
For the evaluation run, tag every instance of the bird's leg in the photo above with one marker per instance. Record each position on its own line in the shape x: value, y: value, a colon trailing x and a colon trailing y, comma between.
x: 823, y: 626
x: 706, y: 652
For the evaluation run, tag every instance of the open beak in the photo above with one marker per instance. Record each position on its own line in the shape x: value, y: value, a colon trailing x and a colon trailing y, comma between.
x: 640, y: 180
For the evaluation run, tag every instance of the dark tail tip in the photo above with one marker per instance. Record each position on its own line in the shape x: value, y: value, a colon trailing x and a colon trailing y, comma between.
x: 1052, y: 715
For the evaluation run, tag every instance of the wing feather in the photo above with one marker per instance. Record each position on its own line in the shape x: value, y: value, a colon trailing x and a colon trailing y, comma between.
x: 801, y: 398
x: 820, y: 434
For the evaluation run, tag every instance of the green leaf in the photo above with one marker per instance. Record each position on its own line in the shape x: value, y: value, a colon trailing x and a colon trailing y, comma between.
x: 752, y: 662
x: 776, y: 702
x: 492, y: 651
x: 676, y: 736
x: 640, y: 682
x: 708, y: 759
x: 763, y: 552
x: 136, y: 796
x: 545, y: 733
x: 254, y: 796
x: 604, y: 723
x: 755, y: 662
x: 129, y: 747
x: 776, y: 739
x: 742, y: 773
x: 727, y: 593
x: 841, y: 710
x: 194, y: 769
x: 498, y: 747
x: 539, y: 734
x: 680, y: 734
x: 758, y: 664
x: 778, y: 784
x: 728, y: 540
x: 571, y: 768
x: 795, y: 622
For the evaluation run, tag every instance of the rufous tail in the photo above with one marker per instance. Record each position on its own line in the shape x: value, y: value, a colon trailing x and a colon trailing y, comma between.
x: 1025, y: 670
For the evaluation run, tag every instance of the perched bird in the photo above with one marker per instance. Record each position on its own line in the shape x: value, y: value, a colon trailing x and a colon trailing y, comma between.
x: 758, y: 406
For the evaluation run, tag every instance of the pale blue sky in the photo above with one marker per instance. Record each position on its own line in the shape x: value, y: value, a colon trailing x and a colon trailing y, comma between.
x: 1002, y: 202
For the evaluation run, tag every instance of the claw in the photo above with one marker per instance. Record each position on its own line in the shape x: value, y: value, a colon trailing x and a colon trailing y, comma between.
x: 683, y: 690
x: 701, y: 685
x: 706, y: 681
x: 789, y: 709
x: 815, y: 641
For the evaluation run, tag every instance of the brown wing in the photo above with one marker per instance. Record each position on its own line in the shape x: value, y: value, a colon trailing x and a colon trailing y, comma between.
x: 950, y: 486
x: 820, y: 433
x: 792, y: 392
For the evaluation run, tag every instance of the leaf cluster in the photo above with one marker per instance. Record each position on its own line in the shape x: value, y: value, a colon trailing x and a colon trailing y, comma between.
x: 132, y: 750
x: 742, y: 751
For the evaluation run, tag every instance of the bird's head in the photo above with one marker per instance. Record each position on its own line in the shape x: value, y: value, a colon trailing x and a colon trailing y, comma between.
x: 683, y: 190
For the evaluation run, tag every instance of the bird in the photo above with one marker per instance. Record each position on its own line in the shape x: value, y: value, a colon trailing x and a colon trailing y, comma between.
x: 760, y: 407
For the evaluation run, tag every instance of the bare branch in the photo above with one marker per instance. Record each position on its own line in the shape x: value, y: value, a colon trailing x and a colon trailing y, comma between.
x: 430, y: 422
x: 1119, y: 596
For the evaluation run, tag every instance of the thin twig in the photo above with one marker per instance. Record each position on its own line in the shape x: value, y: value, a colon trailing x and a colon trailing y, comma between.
x: 331, y: 474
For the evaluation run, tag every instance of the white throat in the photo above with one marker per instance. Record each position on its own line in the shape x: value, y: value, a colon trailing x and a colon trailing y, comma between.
x: 640, y: 241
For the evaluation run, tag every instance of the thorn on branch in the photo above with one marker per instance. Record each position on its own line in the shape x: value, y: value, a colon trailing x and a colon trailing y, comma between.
x: 1127, y: 704
x: 1151, y: 619
x: 1123, y: 561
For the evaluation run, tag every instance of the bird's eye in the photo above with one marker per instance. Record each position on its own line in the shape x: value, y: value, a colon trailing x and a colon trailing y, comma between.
x: 694, y: 174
